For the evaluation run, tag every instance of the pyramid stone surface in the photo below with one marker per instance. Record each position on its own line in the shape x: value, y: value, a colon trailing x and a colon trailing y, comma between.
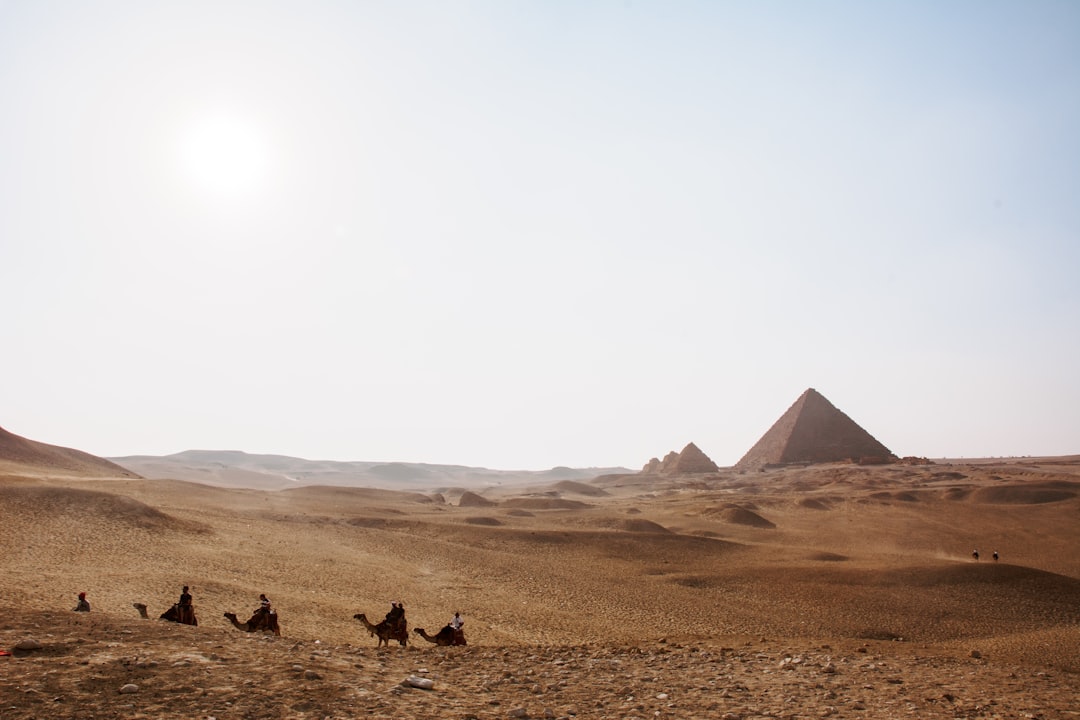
x: 813, y: 431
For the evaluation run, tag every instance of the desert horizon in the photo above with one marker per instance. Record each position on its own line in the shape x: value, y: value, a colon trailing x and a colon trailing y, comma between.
x: 780, y: 591
x: 528, y: 311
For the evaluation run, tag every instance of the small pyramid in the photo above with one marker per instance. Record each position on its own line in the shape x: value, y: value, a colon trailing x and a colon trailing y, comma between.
x: 690, y: 460
x: 813, y: 431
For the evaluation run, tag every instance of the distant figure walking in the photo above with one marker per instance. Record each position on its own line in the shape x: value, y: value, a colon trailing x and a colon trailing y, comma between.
x: 82, y: 606
x: 975, y: 553
x: 995, y: 556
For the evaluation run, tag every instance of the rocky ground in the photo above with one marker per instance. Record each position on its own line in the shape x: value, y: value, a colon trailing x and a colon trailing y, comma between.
x: 95, y: 666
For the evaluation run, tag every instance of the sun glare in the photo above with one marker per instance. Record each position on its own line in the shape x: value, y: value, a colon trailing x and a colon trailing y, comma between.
x: 224, y: 155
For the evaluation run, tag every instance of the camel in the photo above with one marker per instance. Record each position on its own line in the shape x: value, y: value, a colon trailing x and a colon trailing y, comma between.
x: 174, y: 614
x: 385, y: 630
x: 259, y: 622
x: 444, y: 637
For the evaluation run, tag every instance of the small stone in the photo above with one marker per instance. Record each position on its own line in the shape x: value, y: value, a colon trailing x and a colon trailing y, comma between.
x: 28, y: 644
x: 312, y: 675
x: 518, y: 713
x: 976, y: 654
x: 418, y: 682
x: 129, y: 688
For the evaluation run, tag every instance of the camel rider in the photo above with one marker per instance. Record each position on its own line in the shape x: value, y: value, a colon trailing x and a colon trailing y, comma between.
x: 456, y: 624
x: 184, y: 609
x: 264, y: 605
x: 83, y: 606
x: 396, y: 616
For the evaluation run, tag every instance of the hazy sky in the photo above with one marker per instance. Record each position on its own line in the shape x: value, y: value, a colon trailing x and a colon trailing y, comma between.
x: 523, y: 234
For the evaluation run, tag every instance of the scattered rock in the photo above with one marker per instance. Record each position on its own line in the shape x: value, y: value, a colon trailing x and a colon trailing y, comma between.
x: 28, y: 644
x: 129, y: 688
x: 419, y: 682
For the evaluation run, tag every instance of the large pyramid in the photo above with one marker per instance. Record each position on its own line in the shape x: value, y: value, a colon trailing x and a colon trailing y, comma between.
x: 813, y: 431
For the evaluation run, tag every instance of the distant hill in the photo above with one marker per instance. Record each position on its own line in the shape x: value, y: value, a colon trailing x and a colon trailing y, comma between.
x: 18, y: 455
x: 233, y: 468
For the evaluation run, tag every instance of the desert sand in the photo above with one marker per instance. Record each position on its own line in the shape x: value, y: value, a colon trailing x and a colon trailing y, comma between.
x: 833, y: 590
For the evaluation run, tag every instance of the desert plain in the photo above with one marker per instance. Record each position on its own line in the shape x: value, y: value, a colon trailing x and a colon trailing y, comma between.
x: 829, y: 590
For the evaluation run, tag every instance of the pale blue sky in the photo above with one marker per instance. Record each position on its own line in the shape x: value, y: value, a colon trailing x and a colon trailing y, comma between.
x: 527, y: 234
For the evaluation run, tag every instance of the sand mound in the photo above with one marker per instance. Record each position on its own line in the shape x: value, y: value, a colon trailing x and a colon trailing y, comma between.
x: 635, y: 525
x: 643, y: 526
x: 580, y: 488
x: 545, y: 504
x: 471, y: 499
x: 74, y: 506
x: 18, y: 453
x: 1023, y: 494
x: 739, y: 516
x: 333, y: 494
x: 483, y: 520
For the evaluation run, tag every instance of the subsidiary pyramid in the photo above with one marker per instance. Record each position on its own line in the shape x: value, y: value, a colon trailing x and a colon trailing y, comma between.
x: 690, y: 461
x: 813, y: 431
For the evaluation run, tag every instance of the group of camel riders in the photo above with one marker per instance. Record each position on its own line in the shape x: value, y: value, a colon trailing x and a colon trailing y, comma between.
x: 184, y: 611
x: 396, y: 619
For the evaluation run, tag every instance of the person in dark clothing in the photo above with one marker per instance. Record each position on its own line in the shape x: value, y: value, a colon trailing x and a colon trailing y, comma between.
x: 184, y: 608
x: 264, y: 605
x: 83, y: 605
x: 396, y: 617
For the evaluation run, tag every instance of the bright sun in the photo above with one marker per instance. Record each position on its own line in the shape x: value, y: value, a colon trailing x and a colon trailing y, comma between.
x: 225, y: 155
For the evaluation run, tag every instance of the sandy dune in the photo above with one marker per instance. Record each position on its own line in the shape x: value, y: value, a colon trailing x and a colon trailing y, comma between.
x: 626, y: 596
